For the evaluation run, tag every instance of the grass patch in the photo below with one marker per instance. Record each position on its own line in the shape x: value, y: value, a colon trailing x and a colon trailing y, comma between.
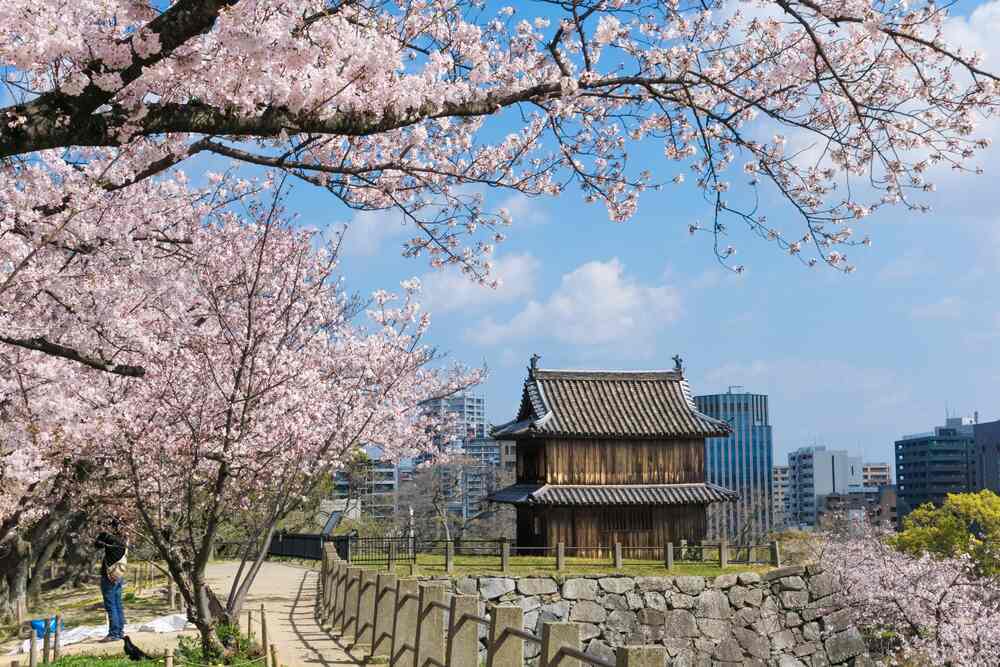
x: 546, y: 565
x: 101, y: 661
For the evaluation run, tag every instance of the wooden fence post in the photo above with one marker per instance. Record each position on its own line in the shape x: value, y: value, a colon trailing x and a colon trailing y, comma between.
x: 505, y: 556
x: 723, y: 554
x: 668, y: 555
x: 47, y: 640
x: 560, y: 556
x: 505, y: 650
x: 56, y: 649
x: 463, y: 631
x: 274, y: 656
x: 364, y: 624
x: 640, y: 656
x: 337, y: 608
x: 775, y: 554
x: 33, y: 648
x: 170, y: 657
x: 263, y: 632
x: 351, y: 595
x: 404, y: 627
x: 385, y: 608
x: 431, y: 627
x: 557, y: 636
x: 619, y: 563
x: 449, y: 557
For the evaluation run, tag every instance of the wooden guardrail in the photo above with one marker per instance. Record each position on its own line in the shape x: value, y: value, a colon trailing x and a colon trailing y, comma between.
x: 424, y: 625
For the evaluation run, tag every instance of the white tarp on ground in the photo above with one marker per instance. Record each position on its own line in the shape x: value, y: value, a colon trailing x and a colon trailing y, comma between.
x: 171, y: 623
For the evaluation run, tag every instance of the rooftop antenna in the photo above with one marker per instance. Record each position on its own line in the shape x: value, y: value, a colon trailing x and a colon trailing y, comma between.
x: 734, y: 386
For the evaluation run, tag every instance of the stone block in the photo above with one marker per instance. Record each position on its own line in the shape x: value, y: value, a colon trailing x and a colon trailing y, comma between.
x: 654, y: 600
x: 792, y: 584
x: 806, y: 649
x: 466, y: 586
x: 588, y: 611
x: 616, y: 584
x: 789, y: 661
x: 746, y: 616
x: 622, y: 621
x: 579, y: 589
x: 810, y: 631
x: 822, y: 585
x: 650, y: 616
x: 728, y: 650
x: 539, y: 586
x: 714, y: 604
x: 682, y: 601
x: 778, y: 573
x: 658, y: 584
x: 491, y: 588
x: 690, y: 585
x: 844, y: 645
x: 747, y: 578
x: 613, y: 601
x: 752, y: 643
x: 529, y: 604
x: 724, y: 581
x: 634, y: 601
x: 782, y: 641
x: 588, y: 631
x: 794, y: 599
x: 676, y: 646
x: 599, y: 649
x: 838, y: 620
x: 679, y: 623
x: 792, y: 620
x: 714, y: 628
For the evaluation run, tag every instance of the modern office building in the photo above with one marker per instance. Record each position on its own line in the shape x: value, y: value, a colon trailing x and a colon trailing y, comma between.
x: 875, y: 475
x: 743, y: 462
x: 469, y: 414
x: 987, y: 438
x: 815, y: 472
x: 931, y: 465
x: 779, y: 506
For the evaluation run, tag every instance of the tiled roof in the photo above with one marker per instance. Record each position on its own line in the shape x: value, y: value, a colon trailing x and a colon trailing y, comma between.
x: 613, y: 494
x: 617, y: 404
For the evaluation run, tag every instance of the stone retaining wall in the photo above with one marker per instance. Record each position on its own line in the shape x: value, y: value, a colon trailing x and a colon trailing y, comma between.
x: 787, y: 617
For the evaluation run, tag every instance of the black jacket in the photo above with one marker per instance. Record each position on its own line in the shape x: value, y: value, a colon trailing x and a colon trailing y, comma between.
x: 114, y: 550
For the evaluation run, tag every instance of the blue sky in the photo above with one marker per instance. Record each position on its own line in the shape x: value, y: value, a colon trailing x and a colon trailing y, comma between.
x: 849, y: 361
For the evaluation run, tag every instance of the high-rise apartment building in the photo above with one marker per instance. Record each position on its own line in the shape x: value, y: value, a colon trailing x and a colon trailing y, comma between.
x: 779, y: 506
x: 875, y: 475
x: 469, y: 414
x: 373, y: 484
x: 987, y: 438
x: 931, y: 465
x: 815, y: 472
x: 743, y: 462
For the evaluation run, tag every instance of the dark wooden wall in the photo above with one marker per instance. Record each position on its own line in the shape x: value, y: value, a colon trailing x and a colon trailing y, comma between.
x: 596, y: 529
x: 622, y: 461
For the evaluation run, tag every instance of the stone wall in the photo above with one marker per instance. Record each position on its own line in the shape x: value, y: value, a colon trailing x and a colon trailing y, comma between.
x: 789, y: 616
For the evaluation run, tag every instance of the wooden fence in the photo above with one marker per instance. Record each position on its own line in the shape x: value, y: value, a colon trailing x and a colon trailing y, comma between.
x: 424, y: 625
x: 386, y: 553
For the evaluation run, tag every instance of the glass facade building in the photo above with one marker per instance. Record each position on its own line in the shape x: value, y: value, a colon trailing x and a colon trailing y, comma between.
x: 742, y: 462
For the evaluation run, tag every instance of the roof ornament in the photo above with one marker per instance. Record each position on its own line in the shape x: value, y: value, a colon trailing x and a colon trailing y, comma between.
x: 678, y: 363
x: 534, y: 364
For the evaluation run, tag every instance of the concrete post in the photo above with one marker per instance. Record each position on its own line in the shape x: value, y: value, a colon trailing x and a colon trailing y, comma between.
x: 723, y: 554
x: 505, y: 556
x: 668, y: 555
x: 619, y: 563
x: 640, y: 656
x: 385, y: 606
x: 431, y: 627
x: 556, y: 636
x: 404, y: 628
x: 684, y: 554
x: 352, y: 596
x: 366, y: 609
x: 775, y: 554
x: 339, y: 617
x: 449, y: 557
x: 463, y: 632
x: 560, y: 556
x: 505, y: 650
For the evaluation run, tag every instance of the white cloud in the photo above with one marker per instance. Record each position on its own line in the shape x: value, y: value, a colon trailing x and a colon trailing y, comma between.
x: 368, y: 232
x: 524, y: 210
x: 947, y: 308
x: 596, y: 303
x: 449, y: 289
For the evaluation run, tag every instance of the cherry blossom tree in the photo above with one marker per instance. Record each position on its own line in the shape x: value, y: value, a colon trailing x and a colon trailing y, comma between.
x: 930, y: 610
x: 263, y: 384
x: 840, y: 107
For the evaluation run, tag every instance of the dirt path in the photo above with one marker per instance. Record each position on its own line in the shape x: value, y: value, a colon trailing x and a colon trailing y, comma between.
x: 288, y: 594
x: 289, y: 597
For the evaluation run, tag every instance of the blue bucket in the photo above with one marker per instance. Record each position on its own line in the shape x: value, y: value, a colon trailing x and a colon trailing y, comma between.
x: 39, y: 626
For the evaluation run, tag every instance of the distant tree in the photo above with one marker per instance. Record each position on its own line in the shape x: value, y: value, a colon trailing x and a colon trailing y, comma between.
x: 967, y: 524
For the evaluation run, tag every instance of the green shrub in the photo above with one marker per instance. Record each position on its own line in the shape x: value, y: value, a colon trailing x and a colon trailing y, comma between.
x: 237, y: 648
x: 100, y: 661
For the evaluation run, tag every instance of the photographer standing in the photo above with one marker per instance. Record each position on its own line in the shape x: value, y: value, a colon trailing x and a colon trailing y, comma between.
x: 113, y: 567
